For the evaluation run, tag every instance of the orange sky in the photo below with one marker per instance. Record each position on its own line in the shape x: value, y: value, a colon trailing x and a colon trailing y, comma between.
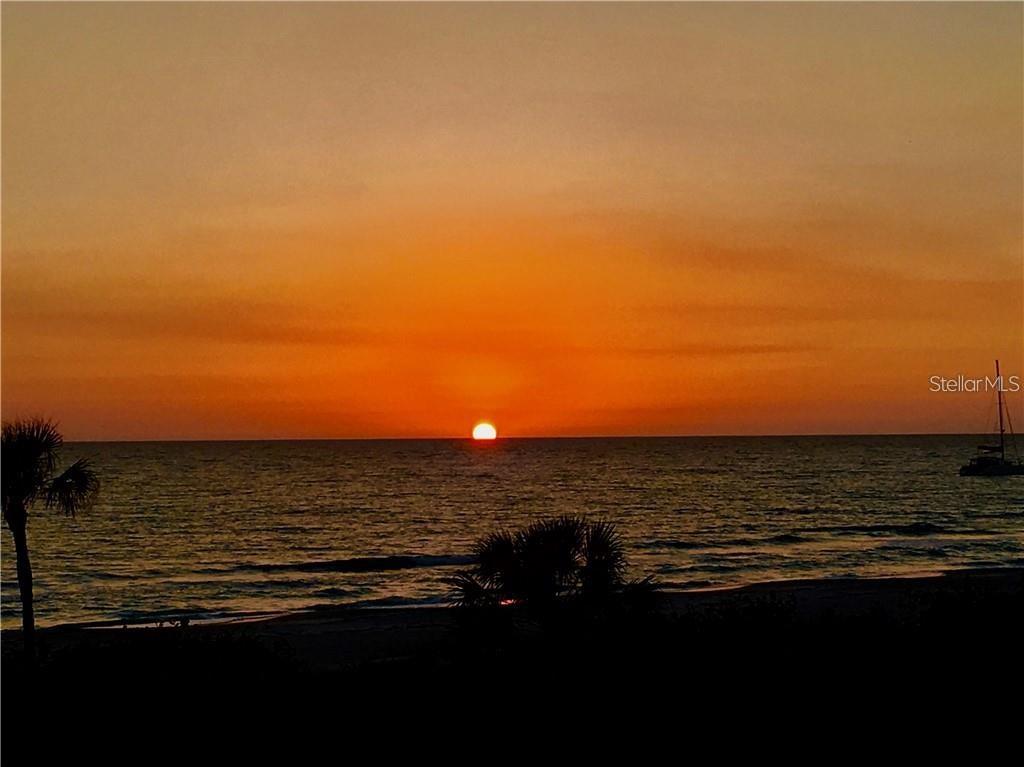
x: 242, y: 220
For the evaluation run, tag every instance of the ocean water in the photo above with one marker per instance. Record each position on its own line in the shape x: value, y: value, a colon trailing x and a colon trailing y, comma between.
x: 219, y: 529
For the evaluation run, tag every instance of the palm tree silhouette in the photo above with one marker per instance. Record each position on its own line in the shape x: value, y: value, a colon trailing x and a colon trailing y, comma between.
x: 29, y: 458
x: 550, y: 561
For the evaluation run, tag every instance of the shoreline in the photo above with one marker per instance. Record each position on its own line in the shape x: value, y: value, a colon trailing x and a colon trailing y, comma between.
x: 671, y: 594
x: 869, y: 634
x: 674, y: 599
x: 196, y: 619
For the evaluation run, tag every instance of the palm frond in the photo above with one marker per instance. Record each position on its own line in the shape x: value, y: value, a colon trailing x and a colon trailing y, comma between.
x: 29, y: 450
x: 604, y: 560
x: 466, y: 590
x: 549, y: 553
x: 74, y: 490
x: 603, y: 544
x: 496, y: 560
x: 42, y: 433
x: 643, y: 595
x: 555, y: 543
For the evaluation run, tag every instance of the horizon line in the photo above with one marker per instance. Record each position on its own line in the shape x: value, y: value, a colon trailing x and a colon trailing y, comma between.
x: 522, y: 438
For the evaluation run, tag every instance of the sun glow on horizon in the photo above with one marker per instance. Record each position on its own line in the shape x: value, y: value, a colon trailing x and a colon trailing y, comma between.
x: 635, y: 223
x: 484, y: 430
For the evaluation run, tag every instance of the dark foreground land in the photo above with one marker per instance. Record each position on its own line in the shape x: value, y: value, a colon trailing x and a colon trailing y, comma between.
x: 950, y: 639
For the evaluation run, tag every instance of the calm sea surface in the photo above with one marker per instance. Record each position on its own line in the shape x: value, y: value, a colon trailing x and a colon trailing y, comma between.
x: 224, y: 528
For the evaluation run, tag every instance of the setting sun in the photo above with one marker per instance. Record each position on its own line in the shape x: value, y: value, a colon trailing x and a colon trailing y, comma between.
x: 484, y: 431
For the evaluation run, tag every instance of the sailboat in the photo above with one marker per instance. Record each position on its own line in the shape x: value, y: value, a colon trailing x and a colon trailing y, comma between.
x: 991, y: 460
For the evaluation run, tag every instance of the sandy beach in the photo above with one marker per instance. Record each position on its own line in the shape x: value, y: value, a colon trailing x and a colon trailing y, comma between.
x: 793, y: 630
x: 835, y: 656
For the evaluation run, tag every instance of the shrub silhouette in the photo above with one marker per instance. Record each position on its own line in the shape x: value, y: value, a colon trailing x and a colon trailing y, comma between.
x: 550, y: 562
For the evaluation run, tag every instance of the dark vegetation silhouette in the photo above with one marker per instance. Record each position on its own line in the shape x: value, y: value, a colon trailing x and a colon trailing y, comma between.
x: 552, y: 564
x: 29, y: 464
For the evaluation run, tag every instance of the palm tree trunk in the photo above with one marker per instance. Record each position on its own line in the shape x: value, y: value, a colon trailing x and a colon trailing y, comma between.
x: 28, y: 616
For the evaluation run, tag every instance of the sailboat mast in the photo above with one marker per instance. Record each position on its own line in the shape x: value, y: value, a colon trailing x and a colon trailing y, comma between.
x: 999, y: 403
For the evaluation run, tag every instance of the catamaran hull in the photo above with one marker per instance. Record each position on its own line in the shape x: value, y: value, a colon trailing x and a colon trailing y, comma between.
x: 1008, y: 470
